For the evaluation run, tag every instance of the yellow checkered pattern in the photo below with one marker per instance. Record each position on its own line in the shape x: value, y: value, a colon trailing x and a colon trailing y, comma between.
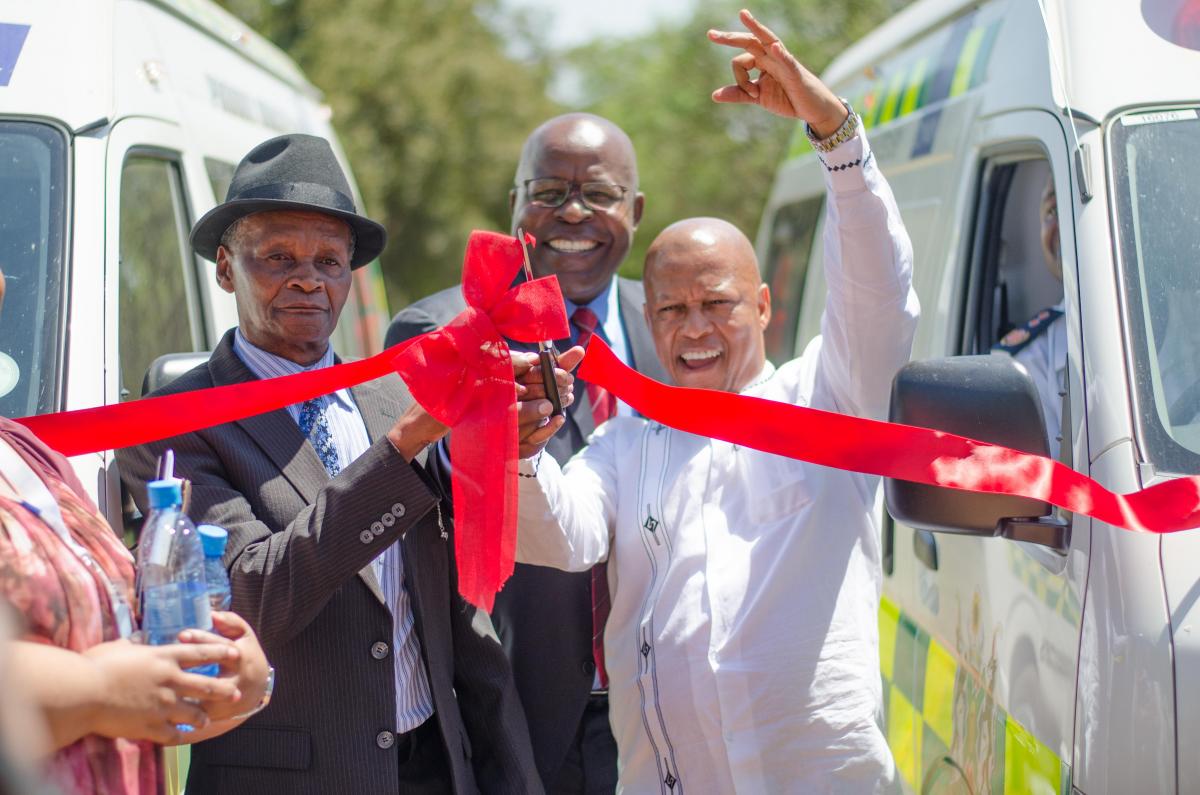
x: 934, y: 710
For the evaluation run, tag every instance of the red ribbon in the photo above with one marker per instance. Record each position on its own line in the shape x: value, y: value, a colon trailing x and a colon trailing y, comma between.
x: 891, y: 450
x: 150, y: 419
x: 462, y: 374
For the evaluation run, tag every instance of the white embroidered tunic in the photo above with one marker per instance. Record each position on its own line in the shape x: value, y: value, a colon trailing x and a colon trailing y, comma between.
x: 742, y: 646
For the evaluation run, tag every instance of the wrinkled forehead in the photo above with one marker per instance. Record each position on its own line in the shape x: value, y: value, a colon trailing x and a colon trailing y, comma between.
x: 698, y: 270
x: 288, y: 224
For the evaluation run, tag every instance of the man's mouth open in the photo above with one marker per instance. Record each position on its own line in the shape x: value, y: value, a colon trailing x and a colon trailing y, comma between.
x: 700, y: 360
x: 563, y: 246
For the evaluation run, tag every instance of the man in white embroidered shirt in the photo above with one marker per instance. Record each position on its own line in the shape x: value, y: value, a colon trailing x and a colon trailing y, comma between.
x: 742, y: 645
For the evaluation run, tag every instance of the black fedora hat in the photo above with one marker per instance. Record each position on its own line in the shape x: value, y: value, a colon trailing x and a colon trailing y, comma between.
x: 291, y: 172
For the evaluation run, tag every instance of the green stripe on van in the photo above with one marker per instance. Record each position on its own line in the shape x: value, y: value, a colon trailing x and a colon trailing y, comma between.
x: 935, y: 709
x: 984, y: 57
x: 966, y: 62
x: 1030, y: 768
x: 916, y: 87
x: 892, y: 101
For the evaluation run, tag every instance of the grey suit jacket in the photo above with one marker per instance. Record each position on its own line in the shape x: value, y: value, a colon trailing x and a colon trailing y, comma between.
x: 544, y: 616
x: 299, y: 553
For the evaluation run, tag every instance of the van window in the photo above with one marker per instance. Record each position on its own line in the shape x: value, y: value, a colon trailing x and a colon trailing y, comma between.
x: 33, y: 196
x: 157, y: 272
x: 1156, y: 168
x: 1015, y: 295
x: 790, y: 249
x: 1014, y: 276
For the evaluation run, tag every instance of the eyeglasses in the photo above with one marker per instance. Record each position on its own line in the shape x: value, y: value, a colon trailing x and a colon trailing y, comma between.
x: 552, y: 192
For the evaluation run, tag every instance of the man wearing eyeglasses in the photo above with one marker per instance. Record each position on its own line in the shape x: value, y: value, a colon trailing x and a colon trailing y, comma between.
x: 576, y: 192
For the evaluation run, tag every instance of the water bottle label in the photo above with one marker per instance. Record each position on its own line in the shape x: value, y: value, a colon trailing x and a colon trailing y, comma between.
x: 161, y: 538
x: 201, y: 609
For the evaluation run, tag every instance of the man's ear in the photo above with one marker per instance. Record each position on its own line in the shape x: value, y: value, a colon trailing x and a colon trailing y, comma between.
x: 764, y: 305
x: 225, y: 269
x: 639, y: 204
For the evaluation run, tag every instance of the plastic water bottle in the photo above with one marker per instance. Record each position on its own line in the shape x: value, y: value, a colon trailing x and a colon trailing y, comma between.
x: 171, y: 589
x: 213, y: 539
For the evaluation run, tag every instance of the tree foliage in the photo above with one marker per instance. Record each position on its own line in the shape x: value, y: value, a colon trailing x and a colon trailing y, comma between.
x: 430, y: 109
x: 433, y: 98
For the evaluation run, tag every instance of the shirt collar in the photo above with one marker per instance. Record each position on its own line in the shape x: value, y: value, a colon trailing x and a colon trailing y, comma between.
x: 604, y: 305
x: 267, y: 365
x: 764, y: 376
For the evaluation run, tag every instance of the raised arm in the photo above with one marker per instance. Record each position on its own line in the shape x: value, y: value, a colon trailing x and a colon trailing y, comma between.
x: 871, y: 309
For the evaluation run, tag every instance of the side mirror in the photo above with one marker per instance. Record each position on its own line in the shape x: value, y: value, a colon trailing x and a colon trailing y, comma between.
x: 989, y: 398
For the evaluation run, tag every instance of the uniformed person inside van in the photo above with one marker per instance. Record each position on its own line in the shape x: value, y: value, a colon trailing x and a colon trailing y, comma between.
x: 1040, y: 345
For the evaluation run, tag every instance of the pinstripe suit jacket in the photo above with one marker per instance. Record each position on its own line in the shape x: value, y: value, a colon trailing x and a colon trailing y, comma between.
x: 299, y: 552
x: 545, y: 615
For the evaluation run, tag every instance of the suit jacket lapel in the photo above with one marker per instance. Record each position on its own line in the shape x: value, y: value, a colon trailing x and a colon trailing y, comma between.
x: 276, y: 434
x: 379, y: 407
x: 631, y: 300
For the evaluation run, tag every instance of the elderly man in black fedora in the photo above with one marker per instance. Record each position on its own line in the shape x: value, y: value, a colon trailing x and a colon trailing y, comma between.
x: 340, y: 553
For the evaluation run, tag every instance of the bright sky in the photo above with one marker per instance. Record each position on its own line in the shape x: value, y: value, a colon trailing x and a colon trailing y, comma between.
x: 572, y: 22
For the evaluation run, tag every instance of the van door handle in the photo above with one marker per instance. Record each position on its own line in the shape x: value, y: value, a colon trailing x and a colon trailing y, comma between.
x: 925, y: 548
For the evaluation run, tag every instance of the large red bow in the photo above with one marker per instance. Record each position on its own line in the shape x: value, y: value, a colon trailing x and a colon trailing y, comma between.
x: 462, y: 374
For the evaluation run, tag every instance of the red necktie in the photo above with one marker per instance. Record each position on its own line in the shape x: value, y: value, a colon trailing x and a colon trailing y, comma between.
x: 604, y: 407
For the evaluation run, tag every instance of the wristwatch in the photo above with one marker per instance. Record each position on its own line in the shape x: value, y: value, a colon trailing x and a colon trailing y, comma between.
x: 266, y: 697
x: 844, y: 133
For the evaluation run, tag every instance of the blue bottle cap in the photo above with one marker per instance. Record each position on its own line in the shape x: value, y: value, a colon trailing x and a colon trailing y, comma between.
x: 165, y: 493
x: 213, y: 539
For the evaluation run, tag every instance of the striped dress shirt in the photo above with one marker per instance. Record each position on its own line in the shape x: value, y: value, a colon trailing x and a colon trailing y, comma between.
x: 414, y: 703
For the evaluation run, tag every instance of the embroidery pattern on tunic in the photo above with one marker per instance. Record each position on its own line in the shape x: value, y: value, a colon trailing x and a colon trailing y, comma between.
x: 659, y: 551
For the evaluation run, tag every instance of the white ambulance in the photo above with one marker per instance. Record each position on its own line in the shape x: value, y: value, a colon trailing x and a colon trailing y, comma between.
x: 121, y: 122
x: 1024, y: 650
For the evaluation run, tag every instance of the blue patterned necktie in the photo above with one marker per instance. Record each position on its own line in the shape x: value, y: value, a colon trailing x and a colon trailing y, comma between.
x: 315, y: 426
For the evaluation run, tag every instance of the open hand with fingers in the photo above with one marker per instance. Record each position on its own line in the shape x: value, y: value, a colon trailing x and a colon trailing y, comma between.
x: 145, y: 692
x: 535, y: 426
x: 247, y: 671
x: 783, y: 85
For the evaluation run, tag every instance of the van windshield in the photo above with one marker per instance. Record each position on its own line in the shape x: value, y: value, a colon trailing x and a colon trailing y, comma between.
x: 1156, y: 185
x: 33, y: 188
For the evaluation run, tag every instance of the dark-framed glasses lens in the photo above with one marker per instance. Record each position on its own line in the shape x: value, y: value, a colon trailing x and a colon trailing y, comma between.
x: 548, y: 192
x: 602, y: 195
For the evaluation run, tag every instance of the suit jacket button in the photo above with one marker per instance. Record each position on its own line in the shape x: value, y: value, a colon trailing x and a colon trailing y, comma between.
x: 366, y: 536
x: 377, y: 528
x: 388, y: 520
x: 589, y: 667
x: 398, y: 510
x: 385, y: 740
x: 379, y: 650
